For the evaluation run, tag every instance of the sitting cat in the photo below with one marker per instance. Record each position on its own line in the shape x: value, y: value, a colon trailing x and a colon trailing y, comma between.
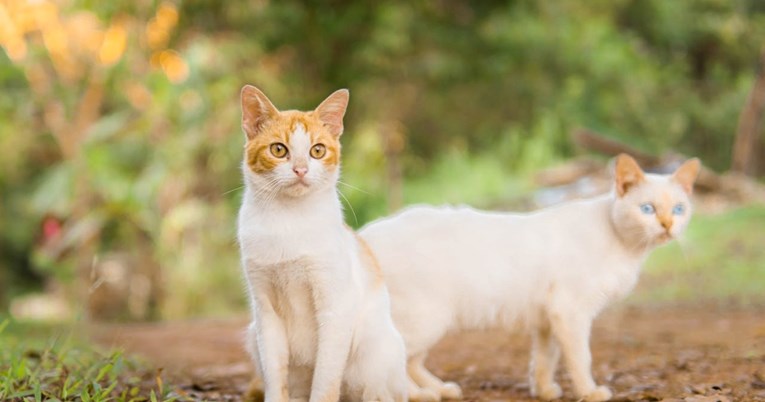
x: 321, y: 325
x: 550, y: 271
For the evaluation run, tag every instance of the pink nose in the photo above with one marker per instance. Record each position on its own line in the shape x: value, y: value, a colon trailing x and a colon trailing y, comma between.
x: 300, y: 171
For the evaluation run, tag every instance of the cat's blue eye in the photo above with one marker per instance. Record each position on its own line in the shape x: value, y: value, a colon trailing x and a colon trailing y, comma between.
x: 678, y: 209
x: 647, y: 208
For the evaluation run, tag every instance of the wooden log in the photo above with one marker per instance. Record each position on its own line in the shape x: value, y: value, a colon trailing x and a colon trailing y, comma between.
x: 749, y: 124
x: 592, y: 141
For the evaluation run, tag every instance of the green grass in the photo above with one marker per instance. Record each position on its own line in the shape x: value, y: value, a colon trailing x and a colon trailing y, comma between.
x: 720, y: 258
x: 41, y: 362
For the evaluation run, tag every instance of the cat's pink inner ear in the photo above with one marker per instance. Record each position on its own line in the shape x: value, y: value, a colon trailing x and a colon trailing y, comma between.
x: 687, y: 173
x: 256, y: 110
x: 332, y: 110
x: 627, y: 173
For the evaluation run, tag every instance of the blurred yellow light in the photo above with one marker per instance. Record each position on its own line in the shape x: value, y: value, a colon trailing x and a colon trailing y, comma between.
x: 16, y: 48
x: 7, y: 27
x: 156, y: 35
x: 24, y: 16
x: 138, y: 95
x: 155, y: 59
x: 167, y: 16
x: 174, y: 66
x: 113, y: 46
x: 85, y: 34
x: 55, y: 39
x: 45, y: 13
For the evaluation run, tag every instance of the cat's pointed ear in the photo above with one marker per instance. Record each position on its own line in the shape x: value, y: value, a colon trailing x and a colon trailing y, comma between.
x: 332, y: 110
x: 687, y: 173
x: 256, y: 110
x: 627, y: 173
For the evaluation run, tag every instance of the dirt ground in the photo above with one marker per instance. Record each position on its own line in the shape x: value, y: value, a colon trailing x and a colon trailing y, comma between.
x: 694, y: 354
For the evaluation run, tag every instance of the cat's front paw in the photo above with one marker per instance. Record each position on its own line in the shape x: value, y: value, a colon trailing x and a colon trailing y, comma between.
x: 600, y: 393
x: 550, y: 392
x: 451, y: 390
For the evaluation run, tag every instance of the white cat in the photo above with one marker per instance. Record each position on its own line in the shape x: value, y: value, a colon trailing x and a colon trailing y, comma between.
x: 321, y: 325
x: 550, y: 272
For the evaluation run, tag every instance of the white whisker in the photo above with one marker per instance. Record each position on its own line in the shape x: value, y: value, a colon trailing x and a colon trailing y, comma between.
x: 353, y: 187
x: 233, y: 189
x: 349, y: 206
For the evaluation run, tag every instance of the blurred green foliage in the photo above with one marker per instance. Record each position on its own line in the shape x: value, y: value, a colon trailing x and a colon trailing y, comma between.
x: 121, y: 119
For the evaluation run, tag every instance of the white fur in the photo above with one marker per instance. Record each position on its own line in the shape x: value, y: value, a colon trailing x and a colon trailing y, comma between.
x: 549, y: 272
x: 321, y: 320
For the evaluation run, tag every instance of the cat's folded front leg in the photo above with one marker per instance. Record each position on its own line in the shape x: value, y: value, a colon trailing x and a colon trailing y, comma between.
x: 572, y: 330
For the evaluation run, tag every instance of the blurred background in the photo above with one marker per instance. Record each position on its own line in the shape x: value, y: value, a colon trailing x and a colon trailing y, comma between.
x: 120, y: 139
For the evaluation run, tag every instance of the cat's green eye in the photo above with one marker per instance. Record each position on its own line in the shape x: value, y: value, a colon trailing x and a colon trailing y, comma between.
x: 278, y: 150
x: 318, y: 151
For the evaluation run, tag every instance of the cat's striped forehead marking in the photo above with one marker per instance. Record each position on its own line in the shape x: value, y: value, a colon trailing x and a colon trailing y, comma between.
x: 299, y: 131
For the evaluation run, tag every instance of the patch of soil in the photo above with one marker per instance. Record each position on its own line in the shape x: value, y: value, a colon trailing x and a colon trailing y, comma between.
x: 642, y: 354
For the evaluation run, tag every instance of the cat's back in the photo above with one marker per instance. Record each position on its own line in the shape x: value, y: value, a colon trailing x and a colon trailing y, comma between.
x: 435, y: 239
x: 434, y: 220
x: 458, y: 228
x: 466, y: 237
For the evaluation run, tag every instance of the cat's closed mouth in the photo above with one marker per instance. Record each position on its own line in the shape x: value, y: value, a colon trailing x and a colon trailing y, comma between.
x: 664, y: 237
x: 300, y: 182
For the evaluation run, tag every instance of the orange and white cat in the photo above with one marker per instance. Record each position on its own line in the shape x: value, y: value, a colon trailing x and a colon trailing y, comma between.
x: 321, y: 325
x: 550, y: 272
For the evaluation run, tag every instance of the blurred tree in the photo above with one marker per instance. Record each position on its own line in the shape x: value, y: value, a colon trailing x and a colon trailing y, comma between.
x: 120, y: 119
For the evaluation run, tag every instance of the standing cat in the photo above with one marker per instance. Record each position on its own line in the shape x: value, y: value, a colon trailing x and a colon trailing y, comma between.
x: 321, y: 324
x: 550, y: 271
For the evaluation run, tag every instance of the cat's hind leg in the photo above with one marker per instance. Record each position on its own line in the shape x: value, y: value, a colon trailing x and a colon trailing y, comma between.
x: 426, y: 380
x: 545, y: 354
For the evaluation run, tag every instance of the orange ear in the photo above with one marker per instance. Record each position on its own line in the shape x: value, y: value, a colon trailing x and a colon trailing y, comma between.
x: 687, y: 173
x: 256, y: 110
x: 332, y: 110
x: 627, y: 173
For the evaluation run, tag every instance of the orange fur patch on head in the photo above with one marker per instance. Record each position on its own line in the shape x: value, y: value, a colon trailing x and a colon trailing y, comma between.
x: 627, y: 173
x: 277, y: 127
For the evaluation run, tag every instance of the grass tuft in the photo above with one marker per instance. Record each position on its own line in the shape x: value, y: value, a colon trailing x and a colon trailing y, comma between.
x: 39, y: 364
